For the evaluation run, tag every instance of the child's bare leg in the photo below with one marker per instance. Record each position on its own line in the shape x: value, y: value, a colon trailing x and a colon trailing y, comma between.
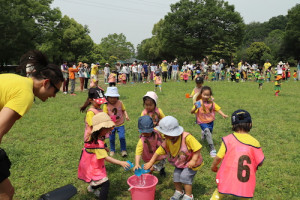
x: 188, y: 189
x: 178, y: 186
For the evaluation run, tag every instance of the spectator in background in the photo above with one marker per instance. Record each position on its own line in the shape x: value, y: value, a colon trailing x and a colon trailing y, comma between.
x: 164, y: 68
x: 153, y: 68
x: 145, y: 72
x: 87, y: 75
x: 81, y: 75
x: 175, y: 69
x: 94, y: 73
x: 64, y: 69
x: 298, y: 71
x: 106, y: 72
x: 72, y: 77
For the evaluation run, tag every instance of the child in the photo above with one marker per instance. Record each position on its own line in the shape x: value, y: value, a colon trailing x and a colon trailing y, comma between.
x: 199, y: 82
x: 181, y: 76
x: 260, y: 80
x: 91, y: 167
x: 157, y: 81
x: 150, y: 102
x: 123, y: 78
x: 205, y: 110
x: 198, y: 73
x: 183, y: 152
x: 116, y: 109
x: 120, y: 77
x: 213, y: 75
x: 112, y: 79
x: 149, y: 141
x: 250, y: 74
x: 185, y: 75
x: 295, y: 75
x: 268, y: 75
x: 277, y: 87
x: 237, y: 76
x: 222, y: 75
x: 242, y: 155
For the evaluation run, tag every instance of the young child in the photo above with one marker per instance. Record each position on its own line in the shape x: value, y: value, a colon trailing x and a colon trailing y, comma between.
x: 112, y: 79
x: 123, y: 78
x: 277, y: 87
x: 241, y: 155
x: 222, y: 75
x: 199, y: 82
x: 185, y: 75
x: 181, y: 75
x: 157, y: 81
x: 237, y: 76
x: 268, y: 76
x: 91, y: 167
x: 260, y: 80
x: 149, y: 141
x: 205, y: 110
x: 295, y: 75
x: 250, y: 74
x: 116, y: 109
x: 151, y: 109
x: 183, y: 152
x: 198, y: 73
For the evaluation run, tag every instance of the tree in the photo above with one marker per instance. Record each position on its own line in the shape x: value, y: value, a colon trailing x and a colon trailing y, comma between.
x: 258, y: 52
x: 292, y: 34
x: 21, y: 25
x: 75, y: 40
x: 275, y: 42
x: 116, y: 45
x: 192, y: 27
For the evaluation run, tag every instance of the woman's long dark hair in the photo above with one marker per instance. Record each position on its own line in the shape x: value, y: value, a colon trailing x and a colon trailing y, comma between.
x: 42, y: 68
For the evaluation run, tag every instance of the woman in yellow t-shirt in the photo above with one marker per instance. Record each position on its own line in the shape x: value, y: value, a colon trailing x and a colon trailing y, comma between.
x: 16, y: 98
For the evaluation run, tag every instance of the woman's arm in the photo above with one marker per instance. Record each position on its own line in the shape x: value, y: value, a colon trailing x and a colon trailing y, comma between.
x: 7, y: 119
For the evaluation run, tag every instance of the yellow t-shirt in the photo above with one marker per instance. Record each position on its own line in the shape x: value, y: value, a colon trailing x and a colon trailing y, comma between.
x: 16, y: 93
x: 191, y: 143
x: 94, y: 70
x: 161, y: 114
x: 89, y: 116
x: 100, y: 153
x: 164, y: 67
x: 267, y: 65
x: 242, y: 137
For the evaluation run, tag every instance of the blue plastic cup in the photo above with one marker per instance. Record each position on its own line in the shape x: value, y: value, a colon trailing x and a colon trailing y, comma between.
x: 144, y: 171
x: 138, y: 172
x: 131, y: 165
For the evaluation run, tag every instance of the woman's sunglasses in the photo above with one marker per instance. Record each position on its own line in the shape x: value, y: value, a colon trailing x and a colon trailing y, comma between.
x: 52, y: 84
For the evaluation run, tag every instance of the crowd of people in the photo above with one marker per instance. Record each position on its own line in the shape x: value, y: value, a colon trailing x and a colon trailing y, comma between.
x: 161, y: 137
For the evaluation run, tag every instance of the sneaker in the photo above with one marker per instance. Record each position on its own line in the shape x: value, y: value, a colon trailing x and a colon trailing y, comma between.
x: 213, y: 153
x: 65, y: 93
x: 162, y: 172
x: 112, y: 153
x: 124, y: 153
x: 177, y: 195
x: 95, y: 191
x: 187, y: 197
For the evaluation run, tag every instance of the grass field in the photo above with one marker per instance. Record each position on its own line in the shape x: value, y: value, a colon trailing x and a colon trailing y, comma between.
x: 45, y: 145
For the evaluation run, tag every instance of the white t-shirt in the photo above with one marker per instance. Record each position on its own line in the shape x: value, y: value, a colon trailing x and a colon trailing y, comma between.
x: 139, y: 68
x: 134, y: 69
x: 153, y: 68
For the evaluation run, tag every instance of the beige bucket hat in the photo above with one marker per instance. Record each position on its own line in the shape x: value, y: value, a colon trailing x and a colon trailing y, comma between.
x: 102, y: 120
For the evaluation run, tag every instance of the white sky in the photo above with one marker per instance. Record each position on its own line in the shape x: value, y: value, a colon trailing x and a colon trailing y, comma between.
x: 135, y: 18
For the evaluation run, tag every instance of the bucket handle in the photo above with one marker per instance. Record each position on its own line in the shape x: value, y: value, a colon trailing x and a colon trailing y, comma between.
x: 130, y: 188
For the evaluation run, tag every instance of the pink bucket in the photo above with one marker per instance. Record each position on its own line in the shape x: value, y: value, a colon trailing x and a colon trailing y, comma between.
x: 146, y: 192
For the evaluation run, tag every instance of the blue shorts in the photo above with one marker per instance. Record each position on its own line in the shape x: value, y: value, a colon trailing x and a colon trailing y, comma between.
x: 210, y: 126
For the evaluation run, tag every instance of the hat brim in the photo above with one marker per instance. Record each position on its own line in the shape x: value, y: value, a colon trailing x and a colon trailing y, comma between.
x: 100, y: 101
x: 173, y: 133
x: 150, y: 130
x: 112, y: 95
x: 107, y: 124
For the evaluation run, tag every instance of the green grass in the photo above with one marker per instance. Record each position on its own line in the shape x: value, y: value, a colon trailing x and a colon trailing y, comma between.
x: 45, y: 145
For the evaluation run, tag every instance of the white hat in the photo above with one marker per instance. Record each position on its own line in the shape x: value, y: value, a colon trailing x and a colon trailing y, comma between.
x: 169, y: 126
x: 152, y: 95
x: 112, y: 92
x: 280, y: 63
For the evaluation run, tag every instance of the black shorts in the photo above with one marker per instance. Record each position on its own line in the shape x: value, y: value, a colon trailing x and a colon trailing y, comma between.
x: 4, y: 165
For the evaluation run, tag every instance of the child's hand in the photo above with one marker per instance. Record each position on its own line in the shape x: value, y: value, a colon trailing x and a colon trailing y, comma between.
x: 127, y: 118
x: 224, y: 116
x: 191, y: 164
x: 136, y: 167
x: 148, y: 165
x: 125, y: 165
x: 214, y: 168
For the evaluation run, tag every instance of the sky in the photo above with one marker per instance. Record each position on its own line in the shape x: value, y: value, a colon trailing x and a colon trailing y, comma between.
x: 136, y: 18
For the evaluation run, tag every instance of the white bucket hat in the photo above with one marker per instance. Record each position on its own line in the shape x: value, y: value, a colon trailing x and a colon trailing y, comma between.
x: 169, y: 126
x: 152, y: 95
x: 112, y: 92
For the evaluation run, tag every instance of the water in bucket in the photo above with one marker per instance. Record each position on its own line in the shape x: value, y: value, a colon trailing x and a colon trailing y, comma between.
x: 145, y: 192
